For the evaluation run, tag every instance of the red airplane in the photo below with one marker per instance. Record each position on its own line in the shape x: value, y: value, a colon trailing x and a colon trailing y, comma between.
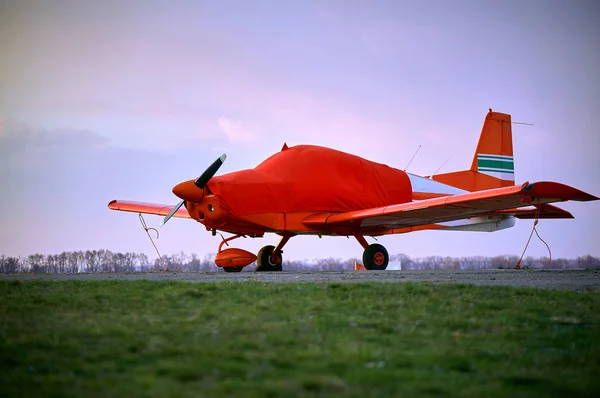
x: 313, y: 190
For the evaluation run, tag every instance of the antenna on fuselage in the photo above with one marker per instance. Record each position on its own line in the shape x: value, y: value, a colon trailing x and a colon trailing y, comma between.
x: 413, y: 156
x: 438, y: 169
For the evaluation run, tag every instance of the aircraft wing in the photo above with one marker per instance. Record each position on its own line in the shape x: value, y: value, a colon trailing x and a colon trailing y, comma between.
x: 449, y: 208
x: 147, y: 208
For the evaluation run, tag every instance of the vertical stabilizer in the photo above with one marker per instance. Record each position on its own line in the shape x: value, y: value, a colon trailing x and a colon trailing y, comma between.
x: 493, y: 163
x: 494, y: 153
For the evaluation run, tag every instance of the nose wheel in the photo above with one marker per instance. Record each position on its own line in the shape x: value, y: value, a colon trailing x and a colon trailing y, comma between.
x: 267, y: 261
x: 269, y: 258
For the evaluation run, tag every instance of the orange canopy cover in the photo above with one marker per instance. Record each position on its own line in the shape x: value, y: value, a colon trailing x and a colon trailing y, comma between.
x: 311, y: 178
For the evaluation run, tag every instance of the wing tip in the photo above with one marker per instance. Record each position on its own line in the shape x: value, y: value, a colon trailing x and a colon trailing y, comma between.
x: 551, y: 189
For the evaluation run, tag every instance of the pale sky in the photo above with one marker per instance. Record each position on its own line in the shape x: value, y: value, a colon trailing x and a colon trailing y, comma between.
x: 123, y: 100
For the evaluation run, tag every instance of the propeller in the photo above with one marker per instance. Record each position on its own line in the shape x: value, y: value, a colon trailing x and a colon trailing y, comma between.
x: 173, y: 211
x: 210, y: 172
x: 200, y: 182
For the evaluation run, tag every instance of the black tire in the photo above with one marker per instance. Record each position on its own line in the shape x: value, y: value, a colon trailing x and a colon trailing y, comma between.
x: 375, y: 257
x: 233, y: 269
x: 264, y: 261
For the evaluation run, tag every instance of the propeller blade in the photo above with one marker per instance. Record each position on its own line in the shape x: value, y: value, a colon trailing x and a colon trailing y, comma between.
x: 200, y: 183
x: 172, y: 212
x: 210, y: 172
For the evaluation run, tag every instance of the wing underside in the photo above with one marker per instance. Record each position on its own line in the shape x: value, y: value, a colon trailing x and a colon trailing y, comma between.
x: 507, y: 200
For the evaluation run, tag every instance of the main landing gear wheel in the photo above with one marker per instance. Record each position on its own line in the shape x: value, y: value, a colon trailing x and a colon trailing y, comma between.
x: 265, y: 261
x: 233, y: 269
x: 375, y: 257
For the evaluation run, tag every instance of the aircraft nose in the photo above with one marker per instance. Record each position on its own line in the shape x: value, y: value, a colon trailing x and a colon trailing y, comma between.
x: 188, y: 191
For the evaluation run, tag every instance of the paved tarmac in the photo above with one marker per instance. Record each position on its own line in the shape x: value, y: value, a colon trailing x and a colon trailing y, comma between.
x: 580, y: 280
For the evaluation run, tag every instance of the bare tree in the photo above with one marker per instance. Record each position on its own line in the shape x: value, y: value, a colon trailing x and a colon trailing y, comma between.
x: 9, y: 264
x: 36, y: 263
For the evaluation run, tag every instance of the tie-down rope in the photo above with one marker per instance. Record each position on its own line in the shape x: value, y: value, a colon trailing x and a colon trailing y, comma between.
x: 151, y: 240
x: 534, y: 229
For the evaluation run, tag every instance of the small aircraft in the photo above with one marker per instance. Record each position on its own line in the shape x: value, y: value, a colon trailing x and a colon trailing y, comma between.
x: 314, y: 190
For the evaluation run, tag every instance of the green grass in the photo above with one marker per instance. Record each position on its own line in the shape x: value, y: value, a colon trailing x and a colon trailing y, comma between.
x: 140, y: 338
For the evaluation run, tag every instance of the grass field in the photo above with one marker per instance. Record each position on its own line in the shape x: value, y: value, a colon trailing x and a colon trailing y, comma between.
x: 139, y: 338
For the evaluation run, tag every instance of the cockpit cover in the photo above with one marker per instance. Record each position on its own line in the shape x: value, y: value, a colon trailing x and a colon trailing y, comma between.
x: 312, y: 178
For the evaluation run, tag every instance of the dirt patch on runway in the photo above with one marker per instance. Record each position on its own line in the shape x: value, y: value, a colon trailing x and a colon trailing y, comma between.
x: 551, y: 279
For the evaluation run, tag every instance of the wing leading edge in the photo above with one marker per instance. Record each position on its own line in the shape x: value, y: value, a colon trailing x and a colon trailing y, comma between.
x: 147, y: 208
x: 450, y: 208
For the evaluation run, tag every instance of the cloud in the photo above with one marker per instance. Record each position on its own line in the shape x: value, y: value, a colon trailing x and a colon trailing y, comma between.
x: 237, y: 131
x: 312, y: 119
x: 16, y: 135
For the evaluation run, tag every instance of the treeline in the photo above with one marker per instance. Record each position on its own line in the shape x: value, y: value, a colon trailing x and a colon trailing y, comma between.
x: 103, y: 261
x: 107, y: 261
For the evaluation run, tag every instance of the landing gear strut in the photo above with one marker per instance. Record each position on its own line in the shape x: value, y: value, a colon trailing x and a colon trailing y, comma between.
x: 375, y: 256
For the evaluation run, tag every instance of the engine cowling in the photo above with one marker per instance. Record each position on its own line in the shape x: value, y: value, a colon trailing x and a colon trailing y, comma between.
x: 234, y: 257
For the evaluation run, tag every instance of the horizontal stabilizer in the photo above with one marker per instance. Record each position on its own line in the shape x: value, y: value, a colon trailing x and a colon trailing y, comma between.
x: 546, y: 212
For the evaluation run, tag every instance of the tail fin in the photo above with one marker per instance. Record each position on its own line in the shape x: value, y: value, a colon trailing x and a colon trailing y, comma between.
x: 493, y: 162
x: 494, y: 153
